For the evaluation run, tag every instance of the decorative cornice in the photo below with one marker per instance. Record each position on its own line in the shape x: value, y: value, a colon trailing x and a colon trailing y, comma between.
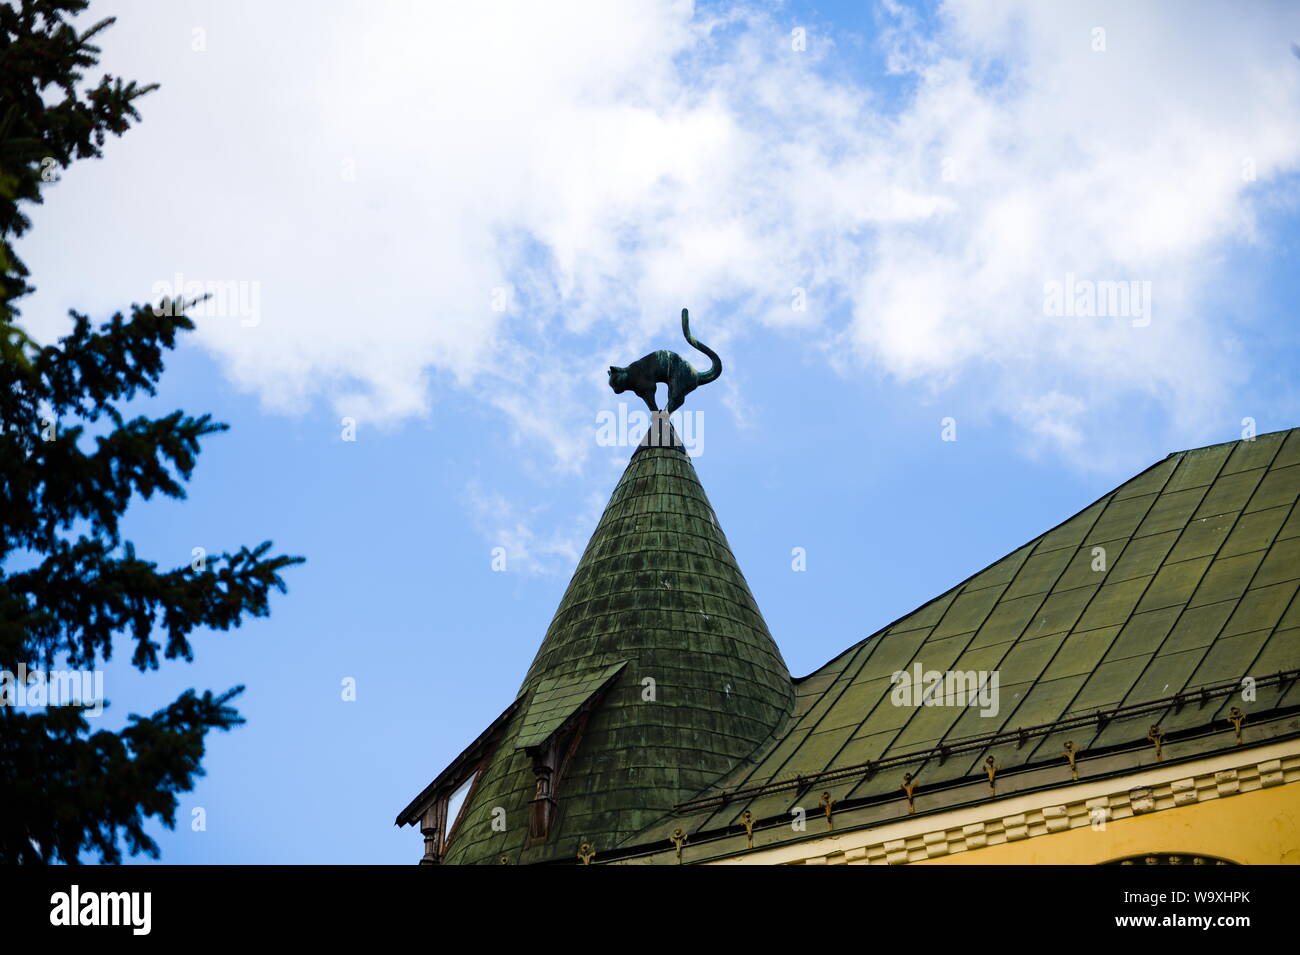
x: 1198, y: 696
x: 1031, y: 815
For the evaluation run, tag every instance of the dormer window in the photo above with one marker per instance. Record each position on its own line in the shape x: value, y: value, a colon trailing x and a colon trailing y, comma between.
x: 439, y: 810
x: 552, y: 730
x: 439, y: 821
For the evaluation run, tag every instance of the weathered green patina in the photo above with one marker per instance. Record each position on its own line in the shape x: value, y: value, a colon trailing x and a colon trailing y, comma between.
x: 556, y: 701
x: 1181, y: 579
x: 659, y: 610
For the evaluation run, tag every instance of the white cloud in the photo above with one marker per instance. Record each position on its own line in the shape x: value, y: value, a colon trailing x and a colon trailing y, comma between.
x: 523, y: 548
x: 1054, y: 417
x: 610, y: 162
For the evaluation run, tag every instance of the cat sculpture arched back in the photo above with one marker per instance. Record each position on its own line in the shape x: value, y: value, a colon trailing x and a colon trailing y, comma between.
x: 672, y: 369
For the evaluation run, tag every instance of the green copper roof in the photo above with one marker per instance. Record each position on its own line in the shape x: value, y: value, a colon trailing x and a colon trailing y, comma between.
x: 556, y: 700
x: 701, y: 689
x: 1183, y: 577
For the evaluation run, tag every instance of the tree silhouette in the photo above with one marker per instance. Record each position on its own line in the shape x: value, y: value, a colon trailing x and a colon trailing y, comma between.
x: 69, y: 582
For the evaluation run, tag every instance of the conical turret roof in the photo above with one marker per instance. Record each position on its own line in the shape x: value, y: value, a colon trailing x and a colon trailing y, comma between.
x: 656, y: 678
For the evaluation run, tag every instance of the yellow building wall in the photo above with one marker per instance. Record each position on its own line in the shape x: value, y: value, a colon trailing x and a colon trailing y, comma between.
x: 1242, y: 805
x: 1251, y: 828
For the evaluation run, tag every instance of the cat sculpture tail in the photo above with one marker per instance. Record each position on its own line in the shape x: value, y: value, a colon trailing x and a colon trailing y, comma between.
x: 702, y: 377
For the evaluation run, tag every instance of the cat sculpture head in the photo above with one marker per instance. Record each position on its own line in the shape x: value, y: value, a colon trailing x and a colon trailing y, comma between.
x: 618, y: 379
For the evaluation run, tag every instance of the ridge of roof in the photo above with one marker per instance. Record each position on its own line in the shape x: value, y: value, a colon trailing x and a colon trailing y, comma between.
x: 1219, y: 444
x: 1033, y: 540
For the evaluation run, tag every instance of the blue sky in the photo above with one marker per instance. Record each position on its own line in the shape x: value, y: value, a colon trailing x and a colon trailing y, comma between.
x: 453, y: 220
